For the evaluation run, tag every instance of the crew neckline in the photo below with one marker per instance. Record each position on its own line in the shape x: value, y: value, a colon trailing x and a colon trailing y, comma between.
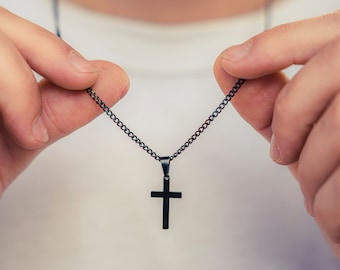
x: 144, y: 48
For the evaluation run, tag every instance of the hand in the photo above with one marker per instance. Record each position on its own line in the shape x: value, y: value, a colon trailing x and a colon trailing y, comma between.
x: 33, y: 115
x: 301, y: 116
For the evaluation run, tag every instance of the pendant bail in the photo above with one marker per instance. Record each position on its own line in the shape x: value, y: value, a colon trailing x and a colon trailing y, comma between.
x: 165, y: 161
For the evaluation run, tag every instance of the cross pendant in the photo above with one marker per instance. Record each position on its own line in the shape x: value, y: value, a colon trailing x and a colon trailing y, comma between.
x: 166, y: 194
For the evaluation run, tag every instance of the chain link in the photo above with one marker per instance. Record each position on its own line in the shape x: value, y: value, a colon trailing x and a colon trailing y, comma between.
x: 193, y: 137
x: 211, y: 118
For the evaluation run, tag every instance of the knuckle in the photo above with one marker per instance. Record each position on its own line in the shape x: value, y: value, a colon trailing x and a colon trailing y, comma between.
x: 285, y: 111
x: 333, y: 122
x: 330, y: 55
x: 288, y: 134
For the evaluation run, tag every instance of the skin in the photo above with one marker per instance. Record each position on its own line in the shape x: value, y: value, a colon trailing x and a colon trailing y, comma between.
x: 34, y: 115
x: 36, y: 119
x: 300, y: 117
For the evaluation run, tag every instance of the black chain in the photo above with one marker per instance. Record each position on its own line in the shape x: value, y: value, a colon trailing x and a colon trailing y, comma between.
x: 193, y: 137
x: 127, y: 131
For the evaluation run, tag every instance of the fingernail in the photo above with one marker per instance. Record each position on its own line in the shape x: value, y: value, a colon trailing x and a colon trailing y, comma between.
x: 274, y: 150
x: 80, y: 63
x: 39, y: 131
x: 237, y: 52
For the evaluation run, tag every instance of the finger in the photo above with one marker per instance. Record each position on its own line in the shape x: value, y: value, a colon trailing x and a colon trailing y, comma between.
x: 326, y: 207
x: 64, y: 111
x: 302, y: 102
x: 255, y: 100
x: 20, y: 102
x: 280, y: 47
x: 320, y: 156
x: 47, y: 54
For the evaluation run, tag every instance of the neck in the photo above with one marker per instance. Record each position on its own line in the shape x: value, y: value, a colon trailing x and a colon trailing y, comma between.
x: 172, y: 11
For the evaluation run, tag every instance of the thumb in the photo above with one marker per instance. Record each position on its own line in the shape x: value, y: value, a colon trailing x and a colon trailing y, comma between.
x: 255, y: 100
x: 61, y: 112
x: 64, y: 111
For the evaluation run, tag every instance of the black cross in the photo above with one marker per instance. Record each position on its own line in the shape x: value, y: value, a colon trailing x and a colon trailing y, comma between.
x: 166, y: 194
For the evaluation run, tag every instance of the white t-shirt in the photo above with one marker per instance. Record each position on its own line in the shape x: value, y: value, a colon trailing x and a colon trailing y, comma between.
x: 85, y: 202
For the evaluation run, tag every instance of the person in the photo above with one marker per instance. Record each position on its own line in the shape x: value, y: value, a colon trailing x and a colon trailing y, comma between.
x: 84, y: 202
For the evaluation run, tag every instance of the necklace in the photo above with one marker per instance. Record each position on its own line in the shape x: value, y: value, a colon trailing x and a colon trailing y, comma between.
x: 166, y: 194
